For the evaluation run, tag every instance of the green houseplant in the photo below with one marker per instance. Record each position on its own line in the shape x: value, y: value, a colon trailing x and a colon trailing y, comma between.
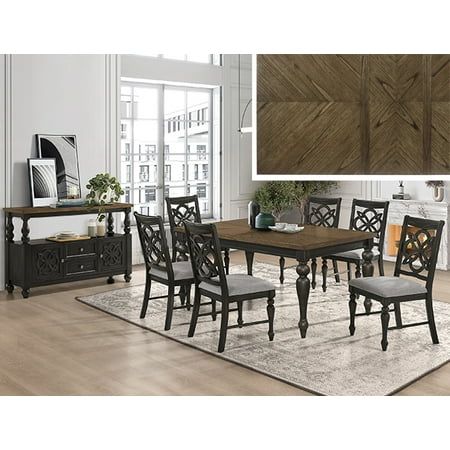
x: 274, y: 198
x: 103, y: 189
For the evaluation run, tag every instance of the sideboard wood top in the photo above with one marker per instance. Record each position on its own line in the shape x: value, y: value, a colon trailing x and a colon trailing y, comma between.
x: 47, y: 211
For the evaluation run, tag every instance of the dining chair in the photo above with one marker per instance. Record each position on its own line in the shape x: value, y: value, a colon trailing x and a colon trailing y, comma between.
x: 417, y: 257
x: 160, y: 268
x: 369, y: 216
x: 212, y: 282
x: 181, y: 210
x: 323, y: 212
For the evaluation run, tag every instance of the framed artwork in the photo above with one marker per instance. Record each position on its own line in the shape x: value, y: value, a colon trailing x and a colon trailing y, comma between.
x: 64, y: 149
x: 42, y: 175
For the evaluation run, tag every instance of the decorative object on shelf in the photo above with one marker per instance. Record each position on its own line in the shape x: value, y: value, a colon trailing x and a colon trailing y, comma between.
x: 101, y: 229
x: 253, y: 211
x: 58, y: 238
x: 438, y: 189
x: 305, y: 189
x: 64, y: 149
x: 92, y: 228
x: 65, y: 202
x: 401, y: 195
x: 42, y: 176
x: 264, y: 220
x: 103, y: 189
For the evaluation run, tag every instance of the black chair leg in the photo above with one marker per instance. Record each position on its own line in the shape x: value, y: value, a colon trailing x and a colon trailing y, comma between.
x: 384, y: 326
x: 182, y: 295
x: 148, y: 285
x: 223, y: 326
x: 431, y: 322
x: 324, y: 274
x: 336, y: 271
x: 195, y: 312
x: 381, y: 265
x: 270, y: 315
x: 240, y: 320
x: 349, y: 271
x: 352, y: 308
x: 313, y: 272
x: 282, y: 264
x: 188, y: 297
x: 213, y: 310
x: 398, y: 315
x: 170, y: 299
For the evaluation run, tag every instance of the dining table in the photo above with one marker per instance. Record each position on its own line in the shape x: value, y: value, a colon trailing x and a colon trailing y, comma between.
x: 311, y: 242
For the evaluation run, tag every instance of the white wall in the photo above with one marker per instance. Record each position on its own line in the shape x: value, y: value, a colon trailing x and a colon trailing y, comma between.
x: 238, y: 187
x: 72, y: 94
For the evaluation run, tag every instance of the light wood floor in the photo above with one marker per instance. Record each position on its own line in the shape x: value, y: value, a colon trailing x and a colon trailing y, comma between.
x: 51, y: 344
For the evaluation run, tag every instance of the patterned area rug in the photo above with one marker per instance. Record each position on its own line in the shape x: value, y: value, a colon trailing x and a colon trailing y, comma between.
x: 329, y: 361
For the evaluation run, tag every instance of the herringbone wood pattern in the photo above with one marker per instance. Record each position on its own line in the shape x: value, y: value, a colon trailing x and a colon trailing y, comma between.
x: 353, y: 114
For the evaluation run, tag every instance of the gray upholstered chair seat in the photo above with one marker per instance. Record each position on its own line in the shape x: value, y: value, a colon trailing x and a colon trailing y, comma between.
x: 181, y: 271
x: 239, y: 284
x: 355, y: 254
x: 388, y: 287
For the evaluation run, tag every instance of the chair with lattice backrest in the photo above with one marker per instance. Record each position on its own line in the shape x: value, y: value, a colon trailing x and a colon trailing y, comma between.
x: 416, y: 258
x: 160, y: 268
x: 369, y: 216
x: 323, y: 212
x: 181, y: 210
x: 212, y: 282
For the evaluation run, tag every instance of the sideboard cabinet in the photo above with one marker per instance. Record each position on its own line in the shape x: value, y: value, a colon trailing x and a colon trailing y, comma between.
x: 38, y: 262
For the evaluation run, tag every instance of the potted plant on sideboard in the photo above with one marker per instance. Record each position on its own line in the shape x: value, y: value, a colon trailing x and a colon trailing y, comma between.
x: 103, y: 189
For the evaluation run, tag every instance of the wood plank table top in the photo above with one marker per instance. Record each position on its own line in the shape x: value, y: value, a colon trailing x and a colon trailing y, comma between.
x: 312, y: 237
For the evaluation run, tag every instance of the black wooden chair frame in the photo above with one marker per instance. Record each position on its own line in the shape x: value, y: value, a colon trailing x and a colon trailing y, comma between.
x: 421, y: 224
x: 179, y: 208
x: 159, y: 251
x: 217, y: 277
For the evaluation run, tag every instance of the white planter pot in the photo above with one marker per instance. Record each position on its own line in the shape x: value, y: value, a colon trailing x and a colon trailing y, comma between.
x: 101, y: 229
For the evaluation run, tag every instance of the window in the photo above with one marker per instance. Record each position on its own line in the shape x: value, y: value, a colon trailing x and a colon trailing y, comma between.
x: 167, y: 172
x: 201, y: 58
x: 201, y: 151
x: 166, y: 130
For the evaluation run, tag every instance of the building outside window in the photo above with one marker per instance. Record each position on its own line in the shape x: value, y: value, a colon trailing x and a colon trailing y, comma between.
x: 170, y: 126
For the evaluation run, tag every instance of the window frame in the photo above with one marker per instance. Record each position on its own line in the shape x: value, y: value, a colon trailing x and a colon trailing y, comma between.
x: 160, y: 182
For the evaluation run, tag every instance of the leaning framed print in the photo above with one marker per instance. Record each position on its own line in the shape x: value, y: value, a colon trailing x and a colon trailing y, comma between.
x: 42, y: 176
x: 64, y: 149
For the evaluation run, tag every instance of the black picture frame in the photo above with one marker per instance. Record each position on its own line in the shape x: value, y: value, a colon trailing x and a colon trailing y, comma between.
x: 42, y: 179
x: 62, y: 147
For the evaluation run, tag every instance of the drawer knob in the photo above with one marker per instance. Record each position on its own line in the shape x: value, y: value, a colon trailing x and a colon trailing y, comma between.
x: 81, y: 249
x: 81, y: 267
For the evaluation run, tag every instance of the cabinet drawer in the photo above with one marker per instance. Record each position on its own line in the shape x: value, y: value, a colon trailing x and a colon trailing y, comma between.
x: 81, y: 265
x: 80, y: 248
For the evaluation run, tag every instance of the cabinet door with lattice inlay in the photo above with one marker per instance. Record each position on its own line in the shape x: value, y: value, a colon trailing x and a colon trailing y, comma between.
x: 47, y: 263
x: 112, y: 254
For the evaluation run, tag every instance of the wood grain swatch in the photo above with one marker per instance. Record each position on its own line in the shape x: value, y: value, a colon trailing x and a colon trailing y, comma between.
x: 353, y: 114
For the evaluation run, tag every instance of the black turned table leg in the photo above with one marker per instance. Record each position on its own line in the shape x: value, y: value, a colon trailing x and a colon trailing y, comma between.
x: 249, y: 257
x: 367, y: 269
x: 126, y: 230
x: 282, y: 264
x: 313, y: 272
x: 324, y: 274
x: 110, y: 231
x: 226, y: 260
x: 303, y: 285
x: 9, y: 234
